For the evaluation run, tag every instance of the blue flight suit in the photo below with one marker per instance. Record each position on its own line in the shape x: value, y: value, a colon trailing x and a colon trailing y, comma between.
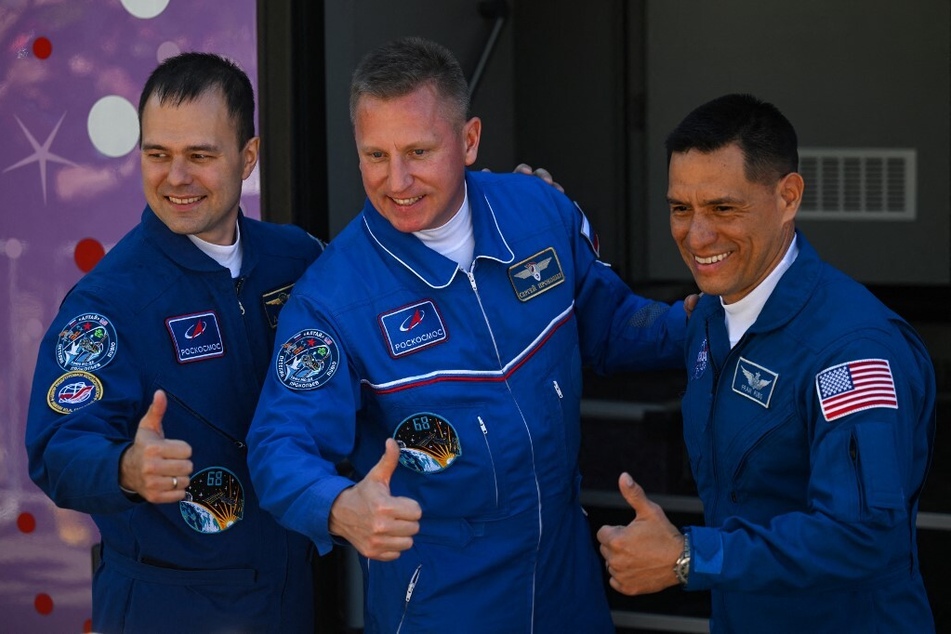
x: 810, y: 441
x: 155, y: 313
x: 477, y: 375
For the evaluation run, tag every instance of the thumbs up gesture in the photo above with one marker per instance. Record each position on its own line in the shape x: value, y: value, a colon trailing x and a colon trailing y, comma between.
x: 154, y: 467
x: 640, y: 557
x: 377, y: 524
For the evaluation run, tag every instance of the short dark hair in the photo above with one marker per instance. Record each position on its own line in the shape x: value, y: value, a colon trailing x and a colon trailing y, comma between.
x: 766, y: 137
x: 187, y: 76
x: 400, y: 67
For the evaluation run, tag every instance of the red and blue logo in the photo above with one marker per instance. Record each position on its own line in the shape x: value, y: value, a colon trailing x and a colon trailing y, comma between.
x: 73, y: 390
x: 412, y: 328
x: 195, y: 337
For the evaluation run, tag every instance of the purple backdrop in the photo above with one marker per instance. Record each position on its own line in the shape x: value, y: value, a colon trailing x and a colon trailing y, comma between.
x: 70, y: 188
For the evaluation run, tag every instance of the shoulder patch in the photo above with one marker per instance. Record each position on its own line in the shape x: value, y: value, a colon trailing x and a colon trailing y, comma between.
x: 72, y: 391
x: 412, y: 328
x: 307, y: 360
x: 535, y: 275
x: 87, y: 342
x: 855, y: 386
x: 196, y: 337
x: 589, y: 234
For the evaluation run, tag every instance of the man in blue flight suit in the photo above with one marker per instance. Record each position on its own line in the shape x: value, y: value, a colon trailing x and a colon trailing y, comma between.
x: 451, y: 341
x: 145, y: 428
x: 809, y: 412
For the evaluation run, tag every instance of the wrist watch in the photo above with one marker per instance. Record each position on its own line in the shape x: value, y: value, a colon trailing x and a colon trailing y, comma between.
x: 682, y: 567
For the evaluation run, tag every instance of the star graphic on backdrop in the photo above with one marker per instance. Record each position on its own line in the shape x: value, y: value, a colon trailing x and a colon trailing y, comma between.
x: 41, y: 153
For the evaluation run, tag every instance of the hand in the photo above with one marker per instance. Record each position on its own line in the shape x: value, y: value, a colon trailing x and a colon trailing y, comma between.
x: 156, y: 468
x: 541, y: 173
x: 690, y: 302
x: 377, y: 524
x: 640, y: 556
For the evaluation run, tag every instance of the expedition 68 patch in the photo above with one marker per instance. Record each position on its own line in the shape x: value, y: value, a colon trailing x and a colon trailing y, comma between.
x: 214, y: 501
x: 307, y: 360
x: 87, y: 342
x: 428, y: 443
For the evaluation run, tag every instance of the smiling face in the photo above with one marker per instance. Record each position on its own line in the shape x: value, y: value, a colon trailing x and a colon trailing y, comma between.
x: 192, y: 167
x: 731, y: 232
x: 413, y: 154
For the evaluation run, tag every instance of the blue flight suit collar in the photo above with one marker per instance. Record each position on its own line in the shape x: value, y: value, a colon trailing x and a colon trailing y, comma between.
x: 787, y: 299
x: 183, y: 251
x: 431, y: 267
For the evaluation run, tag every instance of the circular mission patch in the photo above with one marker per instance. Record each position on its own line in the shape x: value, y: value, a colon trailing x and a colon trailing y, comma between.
x: 307, y: 360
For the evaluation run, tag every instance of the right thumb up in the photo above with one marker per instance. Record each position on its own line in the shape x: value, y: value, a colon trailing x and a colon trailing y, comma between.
x: 151, y: 423
x: 383, y: 470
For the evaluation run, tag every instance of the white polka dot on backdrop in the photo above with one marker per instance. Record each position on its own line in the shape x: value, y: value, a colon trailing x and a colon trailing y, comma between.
x: 166, y: 50
x: 113, y: 126
x: 145, y: 9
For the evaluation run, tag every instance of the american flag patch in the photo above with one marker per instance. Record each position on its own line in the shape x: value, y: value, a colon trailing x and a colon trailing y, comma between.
x: 854, y: 386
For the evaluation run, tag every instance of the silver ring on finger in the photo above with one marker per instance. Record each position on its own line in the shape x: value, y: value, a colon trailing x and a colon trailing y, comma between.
x: 174, y: 482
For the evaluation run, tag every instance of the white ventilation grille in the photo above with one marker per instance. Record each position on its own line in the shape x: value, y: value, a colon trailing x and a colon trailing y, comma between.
x: 858, y: 184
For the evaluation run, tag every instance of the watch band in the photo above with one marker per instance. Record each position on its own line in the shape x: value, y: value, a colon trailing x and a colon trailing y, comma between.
x: 682, y: 567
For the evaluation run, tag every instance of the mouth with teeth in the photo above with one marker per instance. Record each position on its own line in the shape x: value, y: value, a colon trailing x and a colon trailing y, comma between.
x: 713, y: 259
x: 406, y: 202
x: 184, y: 201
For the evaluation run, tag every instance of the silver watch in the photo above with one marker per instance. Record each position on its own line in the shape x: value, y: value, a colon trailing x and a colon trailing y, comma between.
x: 682, y: 567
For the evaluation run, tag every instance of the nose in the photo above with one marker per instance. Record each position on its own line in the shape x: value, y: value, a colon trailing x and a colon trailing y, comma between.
x: 399, y: 176
x: 179, y: 172
x: 700, y: 232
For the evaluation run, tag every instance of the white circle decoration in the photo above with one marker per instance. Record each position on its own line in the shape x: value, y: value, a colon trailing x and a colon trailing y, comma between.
x: 145, y: 9
x: 113, y: 126
x: 166, y: 50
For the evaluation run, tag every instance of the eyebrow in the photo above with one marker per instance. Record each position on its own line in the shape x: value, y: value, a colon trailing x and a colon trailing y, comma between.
x: 715, y: 201
x: 190, y: 148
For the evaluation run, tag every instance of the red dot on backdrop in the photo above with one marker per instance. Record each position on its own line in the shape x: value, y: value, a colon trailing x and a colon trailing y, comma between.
x: 87, y: 626
x: 42, y: 47
x: 26, y: 522
x: 43, y: 603
x: 88, y: 253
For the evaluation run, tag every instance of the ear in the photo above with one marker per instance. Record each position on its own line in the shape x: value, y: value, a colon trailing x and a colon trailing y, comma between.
x: 790, y: 191
x: 471, y: 133
x: 249, y: 156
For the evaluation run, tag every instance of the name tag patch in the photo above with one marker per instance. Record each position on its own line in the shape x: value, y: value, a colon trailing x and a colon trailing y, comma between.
x: 195, y: 337
x: 274, y: 301
x: 413, y: 328
x: 754, y: 382
x: 535, y: 275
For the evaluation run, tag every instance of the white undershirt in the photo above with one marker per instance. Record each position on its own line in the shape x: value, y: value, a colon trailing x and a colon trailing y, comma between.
x: 741, y: 314
x: 454, y: 239
x: 228, y: 256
